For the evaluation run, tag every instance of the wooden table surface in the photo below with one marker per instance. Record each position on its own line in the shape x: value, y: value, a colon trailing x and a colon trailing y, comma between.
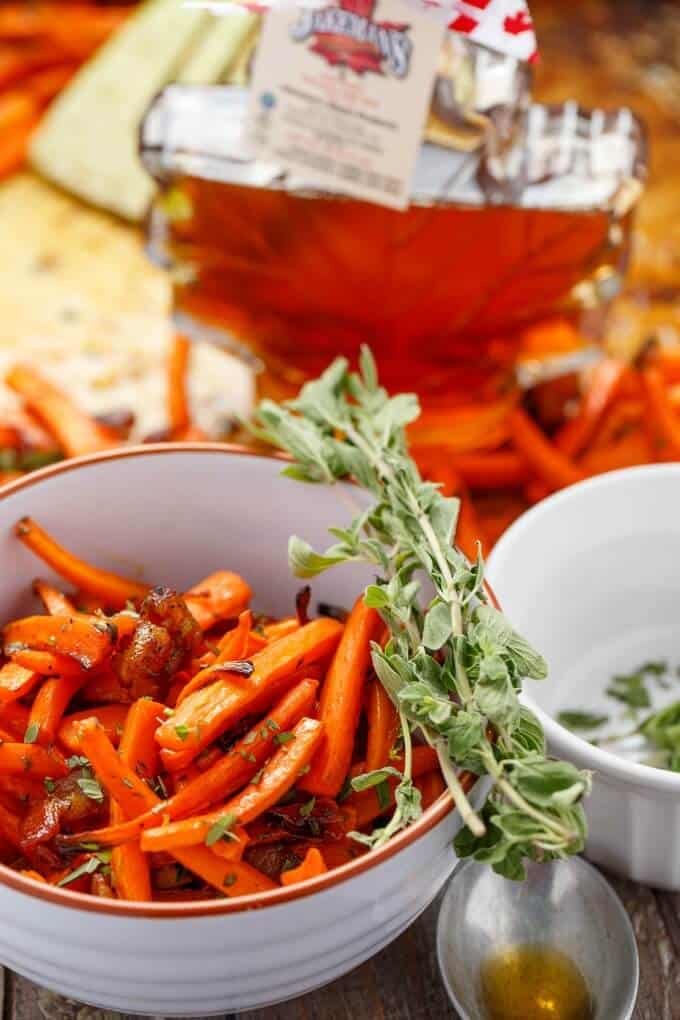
x: 402, y: 982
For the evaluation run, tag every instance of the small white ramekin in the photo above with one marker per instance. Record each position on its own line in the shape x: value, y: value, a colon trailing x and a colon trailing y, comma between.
x: 592, y: 577
x: 171, y: 515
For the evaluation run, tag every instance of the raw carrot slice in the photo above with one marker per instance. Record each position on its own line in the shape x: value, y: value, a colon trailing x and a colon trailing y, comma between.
x: 341, y: 696
x: 383, y: 726
x: 220, y: 596
x: 49, y: 706
x: 207, y: 713
x: 277, y: 777
x: 74, y: 430
x: 312, y: 866
x: 553, y: 466
x: 110, y: 717
x: 87, y: 639
x: 111, y: 589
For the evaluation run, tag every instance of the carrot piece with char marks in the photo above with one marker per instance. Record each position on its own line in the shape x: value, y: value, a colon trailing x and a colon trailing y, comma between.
x: 207, y: 713
x: 18, y: 759
x: 87, y: 639
x: 312, y: 866
x: 220, y: 596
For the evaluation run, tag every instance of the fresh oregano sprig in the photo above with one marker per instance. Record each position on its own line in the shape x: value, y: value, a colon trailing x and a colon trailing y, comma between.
x: 453, y: 666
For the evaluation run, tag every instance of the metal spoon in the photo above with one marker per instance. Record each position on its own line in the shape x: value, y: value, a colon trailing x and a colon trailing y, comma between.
x: 564, y: 905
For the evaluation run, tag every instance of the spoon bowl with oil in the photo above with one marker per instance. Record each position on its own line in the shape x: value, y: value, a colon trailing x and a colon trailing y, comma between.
x: 558, y: 946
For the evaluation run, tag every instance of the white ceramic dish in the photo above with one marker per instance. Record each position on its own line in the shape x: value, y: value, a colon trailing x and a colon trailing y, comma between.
x: 592, y: 577
x: 173, y: 514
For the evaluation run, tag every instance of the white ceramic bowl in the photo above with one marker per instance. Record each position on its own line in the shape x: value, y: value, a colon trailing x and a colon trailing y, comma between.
x: 592, y: 577
x: 172, y: 514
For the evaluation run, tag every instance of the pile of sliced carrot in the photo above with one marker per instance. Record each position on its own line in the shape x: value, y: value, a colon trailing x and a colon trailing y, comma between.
x: 42, y: 45
x: 163, y: 746
x: 50, y: 425
x: 616, y: 415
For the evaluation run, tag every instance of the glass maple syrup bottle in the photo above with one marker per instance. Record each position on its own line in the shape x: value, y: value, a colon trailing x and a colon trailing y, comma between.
x: 519, y: 220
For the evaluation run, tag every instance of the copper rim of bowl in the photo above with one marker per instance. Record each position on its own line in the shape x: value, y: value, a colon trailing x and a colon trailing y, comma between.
x: 82, y: 901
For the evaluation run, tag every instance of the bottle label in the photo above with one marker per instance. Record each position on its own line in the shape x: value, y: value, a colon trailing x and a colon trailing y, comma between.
x: 340, y: 94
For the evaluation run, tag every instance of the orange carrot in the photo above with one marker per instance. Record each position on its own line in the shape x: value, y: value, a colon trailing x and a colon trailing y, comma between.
x: 15, y: 682
x: 383, y: 726
x: 233, y: 878
x: 341, y: 696
x: 74, y: 430
x: 111, y: 589
x: 431, y: 787
x: 49, y: 706
x: 371, y: 804
x: 629, y: 450
x: 231, y: 847
x: 87, y: 639
x: 662, y: 416
x: 43, y: 86
x: 14, y: 717
x: 551, y: 464
x: 106, y: 687
x: 232, y: 646
x: 110, y: 717
x: 54, y: 601
x: 221, y: 596
x: 602, y: 389
x: 232, y: 771
x: 278, y: 776
x: 312, y: 866
x: 47, y: 663
x: 274, y: 631
x: 10, y: 827
x: 139, y: 751
x: 18, y: 759
x: 14, y: 148
x: 491, y: 470
x: 207, y: 713
x: 178, y: 398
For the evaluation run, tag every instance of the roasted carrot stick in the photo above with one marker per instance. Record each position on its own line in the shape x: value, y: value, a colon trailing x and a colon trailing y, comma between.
x: 233, y: 878
x: 274, y: 631
x: 232, y: 646
x: 110, y: 717
x: 49, y: 706
x: 54, y: 601
x: 87, y: 639
x: 205, y: 714
x: 551, y: 464
x: 14, y: 717
x: 47, y: 663
x: 372, y: 803
x: 603, y: 387
x: 312, y: 866
x: 111, y: 589
x: 179, y: 416
x: 278, y: 776
x: 106, y: 688
x: 74, y: 430
x: 139, y: 751
x: 221, y: 596
x: 231, y: 848
x: 383, y: 726
x: 15, y: 682
x: 10, y: 827
x: 19, y: 759
x: 662, y: 415
x: 631, y: 449
x: 431, y: 787
x: 341, y: 696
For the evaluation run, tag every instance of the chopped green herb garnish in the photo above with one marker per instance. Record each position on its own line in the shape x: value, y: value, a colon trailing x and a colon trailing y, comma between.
x: 182, y: 731
x: 32, y: 733
x: 577, y: 720
x: 91, y: 789
x: 88, y: 867
x: 250, y: 738
x: 284, y: 738
x: 167, y: 711
x: 229, y: 879
x: 631, y: 690
x: 221, y: 829
x: 78, y: 761
x: 306, y: 809
x: 273, y: 725
x: 128, y: 782
x: 49, y: 784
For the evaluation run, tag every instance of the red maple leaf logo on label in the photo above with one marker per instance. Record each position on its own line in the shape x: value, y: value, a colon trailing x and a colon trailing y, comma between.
x: 517, y: 23
x: 463, y: 23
